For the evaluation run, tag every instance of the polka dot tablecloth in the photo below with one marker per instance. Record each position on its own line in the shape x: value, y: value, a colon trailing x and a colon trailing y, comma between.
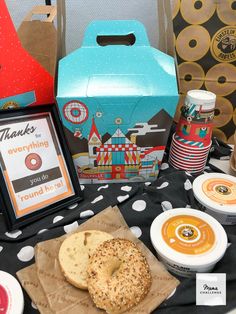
x: 139, y: 203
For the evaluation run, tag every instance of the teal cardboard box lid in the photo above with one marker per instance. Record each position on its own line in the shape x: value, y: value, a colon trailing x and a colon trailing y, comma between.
x: 117, y: 84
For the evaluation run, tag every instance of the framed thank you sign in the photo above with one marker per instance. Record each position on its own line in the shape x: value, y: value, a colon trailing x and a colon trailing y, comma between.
x: 37, y: 173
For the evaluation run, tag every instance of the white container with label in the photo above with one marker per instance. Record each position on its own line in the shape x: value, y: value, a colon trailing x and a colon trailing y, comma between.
x: 11, y: 295
x: 216, y: 194
x: 188, y: 241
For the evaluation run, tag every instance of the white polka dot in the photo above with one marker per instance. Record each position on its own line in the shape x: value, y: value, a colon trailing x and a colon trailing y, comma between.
x: 1, y: 248
x: 71, y: 227
x: 164, y: 166
x: 171, y: 295
x: 13, y: 234
x: 103, y: 187
x: 148, y: 183
x: 126, y: 188
x: 136, y: 231
x: 163, y: 185
x: 188, y: 206
x: 42, y: 231
x: 187, y: 185
x: 166, y: 205
x: 86, y: 213
x: 82, y: 187
x: 97, y: 199
x: 26, y: 254
x: 228, y: 245
x: 34, y: 306
x: 73, y: 206
x: 57, y: 218
x: 122, y: 198
x: 139, y: 205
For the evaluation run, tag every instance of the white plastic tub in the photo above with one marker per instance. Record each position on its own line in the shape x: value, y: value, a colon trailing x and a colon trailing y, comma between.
x: 216, y: 193
x: 188, y: 241
x: 11, y: 295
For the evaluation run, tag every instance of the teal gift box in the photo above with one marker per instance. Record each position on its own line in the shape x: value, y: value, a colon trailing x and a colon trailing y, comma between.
x: 116, y: 96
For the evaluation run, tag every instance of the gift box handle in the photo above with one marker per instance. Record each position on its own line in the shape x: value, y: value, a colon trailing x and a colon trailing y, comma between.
x: 116, y: 32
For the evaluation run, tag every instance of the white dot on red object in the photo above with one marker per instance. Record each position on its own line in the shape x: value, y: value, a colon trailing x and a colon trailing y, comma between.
x: 139, y: 205
x: 26, y: 254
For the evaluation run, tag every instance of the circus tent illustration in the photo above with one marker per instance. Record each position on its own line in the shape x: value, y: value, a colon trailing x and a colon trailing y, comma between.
x: 120, y: 158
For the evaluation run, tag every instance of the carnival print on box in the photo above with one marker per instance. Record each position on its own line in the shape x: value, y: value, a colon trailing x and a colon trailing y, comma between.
x: 124, y: 154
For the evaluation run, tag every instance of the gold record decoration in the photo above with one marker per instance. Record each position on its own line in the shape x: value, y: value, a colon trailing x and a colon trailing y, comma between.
x: 226, y: 11
x: 197, y: 12
x: 223, y: 112
x: 175, y: 4
x: 191, y: 43
x: 191, y: 76
x: 221, y: 79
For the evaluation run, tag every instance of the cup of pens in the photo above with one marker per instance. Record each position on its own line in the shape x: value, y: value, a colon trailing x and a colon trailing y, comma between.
x: 192, y: 141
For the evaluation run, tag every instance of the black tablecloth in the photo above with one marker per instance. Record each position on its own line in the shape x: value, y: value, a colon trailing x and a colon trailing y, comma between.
x: 139, y: 203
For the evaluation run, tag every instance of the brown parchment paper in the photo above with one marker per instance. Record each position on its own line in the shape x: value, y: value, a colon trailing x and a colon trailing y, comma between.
x: 62, y: 297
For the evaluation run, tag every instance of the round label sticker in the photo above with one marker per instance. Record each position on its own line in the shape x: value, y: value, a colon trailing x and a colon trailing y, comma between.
x: 188, y: 234
x: 223, y: 44
x: 220, y: 191
x: 3, y: 300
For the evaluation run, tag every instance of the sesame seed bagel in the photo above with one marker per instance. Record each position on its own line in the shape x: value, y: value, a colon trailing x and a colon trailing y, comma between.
x: 75, y: 252
x: 118, y: 276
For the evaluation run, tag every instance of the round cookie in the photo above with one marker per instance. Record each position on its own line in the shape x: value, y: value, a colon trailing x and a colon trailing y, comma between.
x: 118, y: 276
x: 191, y: 76
x: 226, y: 11
x: 193, y: 42
x: 223, y: 112
x: 197, y: 12
x: 75, y: 252
x: 221, y: 78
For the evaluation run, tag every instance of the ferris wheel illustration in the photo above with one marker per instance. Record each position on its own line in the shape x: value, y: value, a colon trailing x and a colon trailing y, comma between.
x: 75, y: 112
